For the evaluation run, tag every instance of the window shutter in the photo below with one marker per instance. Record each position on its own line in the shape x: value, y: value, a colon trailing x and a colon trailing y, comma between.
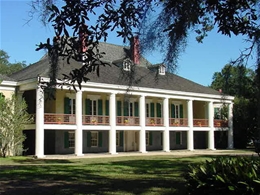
x: 100, y: 108
x: 100, y: 139
x: 136, y: 109
x: 119, y: 108
x: 152, y: 109
x: 66, y: 139
x: 178, y: 138
x: 121, y: 139
x: 150, y: 138
x: 161, y: 138
x: 158, y: 110
x: 172, y: 111
x: 126, y: 113
x: 87, y: 106
x: 107, y: 107
x: 66, y: 105
x: 181, y: 111
x: 88, y: 139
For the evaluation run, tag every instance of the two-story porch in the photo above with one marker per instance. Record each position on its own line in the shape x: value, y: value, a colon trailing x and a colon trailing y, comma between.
x: 89, y: 121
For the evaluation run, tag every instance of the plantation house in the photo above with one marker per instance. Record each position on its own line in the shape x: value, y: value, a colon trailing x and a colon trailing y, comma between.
x: 120, y: 111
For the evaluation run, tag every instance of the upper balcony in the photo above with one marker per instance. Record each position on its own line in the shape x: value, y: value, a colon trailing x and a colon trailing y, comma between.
x: 63, y: 119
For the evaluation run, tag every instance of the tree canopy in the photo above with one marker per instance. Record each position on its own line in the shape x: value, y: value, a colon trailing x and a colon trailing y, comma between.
x: 7, y: 68
x: 161, y: 24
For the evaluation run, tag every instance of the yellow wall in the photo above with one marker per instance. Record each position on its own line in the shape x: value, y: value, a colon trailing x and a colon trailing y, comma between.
x: 200, y: 110
x: 7, y: 93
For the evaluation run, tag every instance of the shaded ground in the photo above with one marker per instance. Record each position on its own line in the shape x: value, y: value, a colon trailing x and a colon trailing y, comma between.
x: 131, y: 174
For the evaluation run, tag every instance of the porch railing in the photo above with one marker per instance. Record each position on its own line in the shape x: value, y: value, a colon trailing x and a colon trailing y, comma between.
x: 95, y: 120
x: 220, y: 123
x: 200, y: 122
x: 53, y: 118
x: 178, y: 122
x: 154, y: 121
x: 127, y: 120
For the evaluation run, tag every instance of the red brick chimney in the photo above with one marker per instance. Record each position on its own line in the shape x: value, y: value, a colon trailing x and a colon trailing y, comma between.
x: 83, y: 38
x: 135, y: 50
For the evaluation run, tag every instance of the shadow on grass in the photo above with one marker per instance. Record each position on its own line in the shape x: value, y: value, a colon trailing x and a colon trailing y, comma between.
x: 41, y: 161
x: 121, y: 177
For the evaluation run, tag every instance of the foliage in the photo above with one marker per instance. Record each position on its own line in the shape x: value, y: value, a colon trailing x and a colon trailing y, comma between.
x: 160, y: 24
x: 7, y: 68
x: 239, y: 81
x: 13, y: 117
x: 225, y: 175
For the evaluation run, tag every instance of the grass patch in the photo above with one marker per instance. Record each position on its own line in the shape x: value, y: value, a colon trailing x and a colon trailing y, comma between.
x: 121, y: 175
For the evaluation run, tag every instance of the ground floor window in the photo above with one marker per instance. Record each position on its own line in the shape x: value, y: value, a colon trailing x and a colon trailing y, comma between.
x: 94, y: 138
x: 147, y: 138
x: 71, y: 139
x: 179, y: 138
x: 117, y: 138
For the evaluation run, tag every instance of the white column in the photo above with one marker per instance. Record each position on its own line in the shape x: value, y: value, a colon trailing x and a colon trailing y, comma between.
x: 39, y: 132
x: 230, y: 125
x: 112, y: 122
x: 190, y: 137
x: 211, y: 140
x: 142, y: 143
x: 78, y: 133
x: 166, y: 133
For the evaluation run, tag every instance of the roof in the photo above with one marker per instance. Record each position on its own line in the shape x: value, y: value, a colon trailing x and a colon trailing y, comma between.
x: 6, y: 78
x: 113, y: 74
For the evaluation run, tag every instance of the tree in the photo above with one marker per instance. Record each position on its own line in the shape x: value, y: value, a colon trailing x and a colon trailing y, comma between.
x: 7, y: 68
x: 13, y: 117
x: 239, y: 81
x: 162, y: 24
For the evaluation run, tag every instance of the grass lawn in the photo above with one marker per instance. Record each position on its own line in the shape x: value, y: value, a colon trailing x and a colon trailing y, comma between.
x: 121, y: 175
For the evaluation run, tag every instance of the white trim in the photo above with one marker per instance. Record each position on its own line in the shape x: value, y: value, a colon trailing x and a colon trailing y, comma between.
x: 93, y: 97
x: 9, y: 83
x: 6, y: 88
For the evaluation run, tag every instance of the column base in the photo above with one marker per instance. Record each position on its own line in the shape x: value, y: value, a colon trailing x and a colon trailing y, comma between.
x: 39, y: 156
x: 143, y: 152
x: 166, y: 150
x: 79, y: 154
x: 212, y: 149
x: 112, y: 153
x: 190, y: 149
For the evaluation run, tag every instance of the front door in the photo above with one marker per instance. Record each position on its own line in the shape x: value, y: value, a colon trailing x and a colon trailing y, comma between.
x: 131, y: 141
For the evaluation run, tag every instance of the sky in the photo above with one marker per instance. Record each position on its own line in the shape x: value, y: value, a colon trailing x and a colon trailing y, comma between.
x: 19, y: 36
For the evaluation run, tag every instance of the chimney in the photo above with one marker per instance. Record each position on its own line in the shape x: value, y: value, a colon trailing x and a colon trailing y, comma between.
x: 135, y: 50
x: 83, y: 38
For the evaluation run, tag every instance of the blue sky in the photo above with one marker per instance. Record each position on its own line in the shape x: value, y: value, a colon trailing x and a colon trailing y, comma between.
x: 19, y: 38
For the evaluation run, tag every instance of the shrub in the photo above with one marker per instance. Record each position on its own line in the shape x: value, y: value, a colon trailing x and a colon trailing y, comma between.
x: 227, y: 175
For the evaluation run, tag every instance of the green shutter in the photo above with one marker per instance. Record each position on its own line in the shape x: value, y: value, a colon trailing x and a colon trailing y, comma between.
x: 158, y: 110
x: 107, y: 107
x: 100, y: 107
x: 121, y: 139
x: 126, y: 108
x: 100, y: 139
x: 181, y: 111
x: 178, y: 138
x: 150, y: 138
x: 172, y: 111
x: 88, y: 139
x: 119, y: 108
x: 87, y: 106
x: 66, y: 139
x: 66, y: 105
x: 152, y: 109
x: 136, y: 109
x: 161, y: 138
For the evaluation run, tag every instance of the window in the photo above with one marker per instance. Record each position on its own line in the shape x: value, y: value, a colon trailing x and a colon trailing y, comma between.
x: 147, y: 138
x: 177, y: 111
x: 94, y: 138
x: 71, y: 106
x: 217, y: 113
x: 93, y: 107
x: 127, y: 65
x: 71, y: 139
x: 161, y: 70
x: 147, y: 110
x: 178, y: 138
x: 117, y: 138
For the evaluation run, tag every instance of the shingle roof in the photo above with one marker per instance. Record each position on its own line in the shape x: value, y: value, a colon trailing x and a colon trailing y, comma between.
x: 113, y: 74
x: 6, y: 78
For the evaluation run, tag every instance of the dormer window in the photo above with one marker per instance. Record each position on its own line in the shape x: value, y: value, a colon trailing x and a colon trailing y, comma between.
x: 127, y: 65
x: 161, y: 70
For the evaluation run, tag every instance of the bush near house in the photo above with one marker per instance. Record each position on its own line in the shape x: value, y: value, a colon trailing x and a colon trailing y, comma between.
x: 225, y: 175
